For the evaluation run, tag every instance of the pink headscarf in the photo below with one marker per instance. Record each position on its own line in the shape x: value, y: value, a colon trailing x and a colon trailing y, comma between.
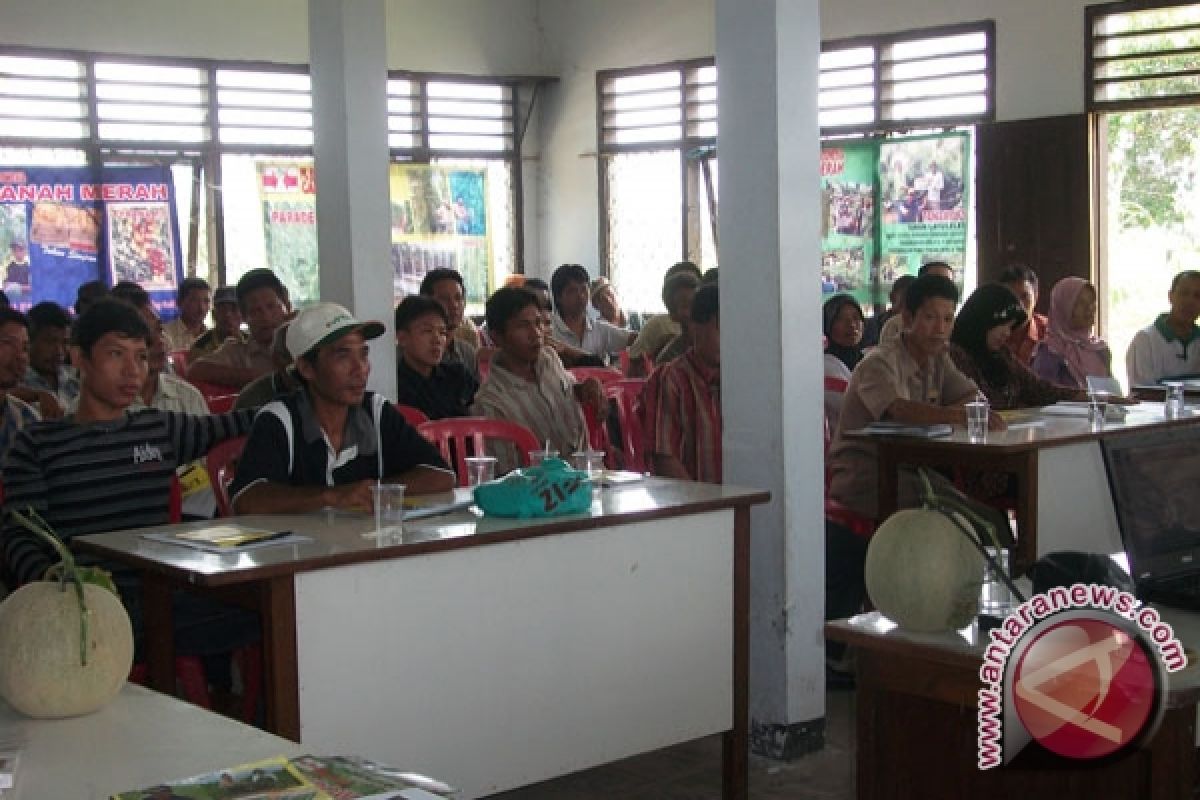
x: 1085, y: 354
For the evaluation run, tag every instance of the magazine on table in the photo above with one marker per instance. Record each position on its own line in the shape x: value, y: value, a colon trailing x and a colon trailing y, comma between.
x: 226, y: 538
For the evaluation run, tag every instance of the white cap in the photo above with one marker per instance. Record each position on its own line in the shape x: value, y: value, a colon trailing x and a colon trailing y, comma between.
x: 325, y: 323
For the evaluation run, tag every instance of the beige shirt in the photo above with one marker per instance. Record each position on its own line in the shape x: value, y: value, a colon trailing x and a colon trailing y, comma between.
x: 179, y: 337
x: 174, y: 394
x: 888, y: 373
x: 654, y: 336
x: 892, y: 329
x: 547, y: 406
x: 248, y: 354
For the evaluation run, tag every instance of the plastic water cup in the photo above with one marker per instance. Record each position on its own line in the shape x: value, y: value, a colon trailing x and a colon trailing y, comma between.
x: 1174, y: 402
x: 589, y: 461
x: 480, y: 469
x: 389, y: 509
x: 1097, y: 409
x: 536, y: 456
x: 977, y: 421
x: 995, y: 595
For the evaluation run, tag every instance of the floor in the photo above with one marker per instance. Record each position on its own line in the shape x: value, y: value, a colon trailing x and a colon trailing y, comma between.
x: 693, y: 771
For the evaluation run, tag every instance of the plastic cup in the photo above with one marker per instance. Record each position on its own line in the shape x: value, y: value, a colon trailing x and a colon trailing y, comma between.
x: 589, y: 461
x: 536, y: 456
x: 389, y: 509
x: 1097, y: 409
x: 977, y: 421
x: 1174, y: 402
x: 995, y: 595
x: 480, y: 469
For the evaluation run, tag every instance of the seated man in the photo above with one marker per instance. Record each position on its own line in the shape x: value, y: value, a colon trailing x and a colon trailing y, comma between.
x: 907, y: 378
x: 263, y: 390
x: 570, y: 288
x: 677, y: 296
x: 661, y: 328
x: 1023, y: 342
x: 50, y: 376
x: 333, y: 433
x: 446, y: 287
x: 423, y: 379
x: 194, y: 298
x: 264, y: 303
x: 687, y: 428
x: 227, y: 323
x: 528, y: 384
x: 14, y: 360
x: 891, y: 329
x: 107, y: 468
x: 1170, y: 348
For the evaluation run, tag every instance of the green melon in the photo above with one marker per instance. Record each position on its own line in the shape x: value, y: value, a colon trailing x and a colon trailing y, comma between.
x: 923, y: 573
x: 42, y: 669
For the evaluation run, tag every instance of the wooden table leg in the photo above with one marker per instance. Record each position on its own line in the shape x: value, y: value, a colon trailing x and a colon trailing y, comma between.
x: 1026, y: 476
x: 735, y: 755
x: 159, y: 633
x: 278, y: 610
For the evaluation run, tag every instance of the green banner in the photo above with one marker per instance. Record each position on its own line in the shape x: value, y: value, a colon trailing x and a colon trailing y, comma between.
x: 923, y: 184
x: 848, y: 193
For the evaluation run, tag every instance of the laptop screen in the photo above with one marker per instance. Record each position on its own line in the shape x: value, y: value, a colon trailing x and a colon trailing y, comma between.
x: 1154, y: 476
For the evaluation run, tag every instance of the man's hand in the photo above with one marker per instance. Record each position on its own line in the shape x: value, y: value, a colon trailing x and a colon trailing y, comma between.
x: 351, y: 496
x: 591, y: 393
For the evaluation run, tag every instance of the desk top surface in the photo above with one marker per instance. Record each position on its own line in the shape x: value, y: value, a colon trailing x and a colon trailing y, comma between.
x: 139, y: 739
x: 1031, y: 429
x: 334, y: 538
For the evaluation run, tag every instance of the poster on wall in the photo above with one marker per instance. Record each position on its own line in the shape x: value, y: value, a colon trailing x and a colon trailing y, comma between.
x: 63, y: 226
x: 923, y: 184
x: 288, y: 191
x: 439, y: 219
x: 847, y: 218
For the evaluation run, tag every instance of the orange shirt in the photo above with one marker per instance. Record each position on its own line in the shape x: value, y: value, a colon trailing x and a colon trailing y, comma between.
x: 1024, y: 340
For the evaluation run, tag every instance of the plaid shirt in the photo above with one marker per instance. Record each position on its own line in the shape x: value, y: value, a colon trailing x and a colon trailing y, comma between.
x: 688, y: 418
x: 17, y: 415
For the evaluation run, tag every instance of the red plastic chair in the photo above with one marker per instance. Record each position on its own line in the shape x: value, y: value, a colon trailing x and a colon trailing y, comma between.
x: 414, y: 416
x: 451, y: 435
x: 626, y: 362
x: 485, y: 364
x: 221, y: 404
x: 833, y: 384
x: 214, y: 389
x: 603, y: 374
x: 627, y: 393
x: 179, y: 359
x: 221, y: 463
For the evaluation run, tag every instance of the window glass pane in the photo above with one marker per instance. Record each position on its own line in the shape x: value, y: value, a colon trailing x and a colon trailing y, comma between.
x: 852, y: 57
x: 466, y: 91
x: 150, y: 73
x: 264, y: 80
x: 638, y: 83
x: 266, y: 136
x: 176, y: 95
x: 239, y: 97
x: 846, y: 117
x: 456, y: 108
x: 59, y: 109
x: 846, y: 77
x: 929, y: 109
x: 151, y: 113
x: 42, y: 129
x: 39, y: 88
x: 940, y: 45
x: 42, y: 157
x: 459, y: 125
x: 41, y: 67
x: 708, y: 248
x: 447, y: 141
x: 152, y: 133
x: 271, y: 119
x: 966, y: 84
x: 645, y: 223
x: 647, y: 135
x: 402, y: 141
x: 904, y: 71
x: 625, y: 102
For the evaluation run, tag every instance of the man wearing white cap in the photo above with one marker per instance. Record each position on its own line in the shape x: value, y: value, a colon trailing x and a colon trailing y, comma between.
x: 332, y: 433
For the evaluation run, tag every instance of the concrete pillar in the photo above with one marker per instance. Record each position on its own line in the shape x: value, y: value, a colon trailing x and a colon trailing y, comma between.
x: 771, y: 382
x: 348, y: 54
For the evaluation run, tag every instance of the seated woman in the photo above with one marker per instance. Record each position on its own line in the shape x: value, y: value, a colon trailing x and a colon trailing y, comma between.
x: 842, y: 323
x: 977, y: 347
x: 1070, y: 352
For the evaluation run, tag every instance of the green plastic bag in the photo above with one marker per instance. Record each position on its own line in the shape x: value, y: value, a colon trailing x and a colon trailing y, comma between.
x: 547, y: 490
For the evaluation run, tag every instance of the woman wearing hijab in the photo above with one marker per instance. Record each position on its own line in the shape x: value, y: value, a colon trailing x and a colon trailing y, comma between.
x: 1070, y: 352
x: 978, y: 348
x: 842, y: 324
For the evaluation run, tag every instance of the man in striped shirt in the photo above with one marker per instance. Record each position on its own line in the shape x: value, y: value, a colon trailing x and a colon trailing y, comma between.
x: 527, y: 383
x: 687, y: 438
x: 104, y: 469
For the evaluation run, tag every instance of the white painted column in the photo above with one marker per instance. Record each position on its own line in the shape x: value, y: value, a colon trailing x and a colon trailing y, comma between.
x: 771, y: 382
x: 348, y: 52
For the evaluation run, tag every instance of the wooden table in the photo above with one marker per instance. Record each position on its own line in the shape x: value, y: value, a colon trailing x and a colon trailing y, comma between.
x: 1062, y: 495
x: 139, y: 739
x: 917, y: 726
x: 493, y: 653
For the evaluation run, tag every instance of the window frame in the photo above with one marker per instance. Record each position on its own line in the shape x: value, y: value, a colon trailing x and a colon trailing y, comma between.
x: 1092, y: 15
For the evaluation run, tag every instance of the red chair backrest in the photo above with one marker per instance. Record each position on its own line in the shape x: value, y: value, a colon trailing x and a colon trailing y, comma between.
x: 414, y: 416
x: 221, y: 463
x: 603, y: 374
x: 213, y: 389
x: 452, y: 434
x: 834, y: 384
x: 179, y: 359
x: 485, y: 363
x: 627, y: 393
x: 221, y: 404
x: 175, y: 501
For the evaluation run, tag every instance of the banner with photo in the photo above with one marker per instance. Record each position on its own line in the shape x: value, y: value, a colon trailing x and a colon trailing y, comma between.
x: 923, y: 182
x: 439, y: 219
x: 889, y: 206
x: 288, y: 191
x: 848, y: 218
x: 63, y: 226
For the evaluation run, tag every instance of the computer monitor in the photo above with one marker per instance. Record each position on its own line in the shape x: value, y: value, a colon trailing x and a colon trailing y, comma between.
x: 1154, y: 475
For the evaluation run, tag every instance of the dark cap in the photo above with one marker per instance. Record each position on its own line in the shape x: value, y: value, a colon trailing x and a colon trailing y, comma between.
x: 225, y: 294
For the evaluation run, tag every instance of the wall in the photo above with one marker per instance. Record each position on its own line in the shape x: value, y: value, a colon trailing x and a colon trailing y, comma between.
x: 1039, y: 72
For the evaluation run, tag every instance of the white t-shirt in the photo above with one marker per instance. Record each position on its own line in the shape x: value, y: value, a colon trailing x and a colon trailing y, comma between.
x: 1152, y: 356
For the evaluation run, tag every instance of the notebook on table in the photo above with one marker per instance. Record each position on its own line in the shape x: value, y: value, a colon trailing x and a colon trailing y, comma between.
x: 1152, y: 474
